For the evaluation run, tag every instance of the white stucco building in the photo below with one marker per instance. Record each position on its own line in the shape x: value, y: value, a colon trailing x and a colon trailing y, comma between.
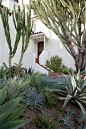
x: 42, y: 46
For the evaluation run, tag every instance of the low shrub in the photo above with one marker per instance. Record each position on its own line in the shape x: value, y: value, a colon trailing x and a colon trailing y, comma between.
x: 38, y: 81
x: 50, y: 99
x: 56, y: 65
x: 44, y: 122
x: 4, y: 72
x: 33, y: 98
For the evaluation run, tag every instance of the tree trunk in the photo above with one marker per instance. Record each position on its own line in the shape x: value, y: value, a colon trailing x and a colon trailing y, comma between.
x: 80, y: 62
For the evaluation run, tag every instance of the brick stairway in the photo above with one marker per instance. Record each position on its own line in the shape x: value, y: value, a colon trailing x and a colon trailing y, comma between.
x: 50, y: 72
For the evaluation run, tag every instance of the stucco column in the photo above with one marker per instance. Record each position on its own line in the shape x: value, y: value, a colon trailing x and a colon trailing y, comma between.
x: 44, y: 43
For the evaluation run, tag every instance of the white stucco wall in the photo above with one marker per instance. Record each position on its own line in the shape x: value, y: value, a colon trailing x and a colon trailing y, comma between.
x: 3, y: 45
x: 5, y: 3
x: 57, y: 48
x: 53, y: 45
x: 41, y: 27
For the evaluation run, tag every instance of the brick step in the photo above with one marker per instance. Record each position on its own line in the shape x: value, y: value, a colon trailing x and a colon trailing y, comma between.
x: 37, y: 60
x: 50, y: 72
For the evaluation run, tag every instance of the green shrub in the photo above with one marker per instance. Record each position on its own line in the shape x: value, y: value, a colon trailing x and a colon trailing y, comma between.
x: 9, y: 117
x: 33, y: 98
x: 38, y: 81
x: 50, y: 99
x: 54, y: 63
x: 4, y: 72
x: 83, y: 72
x: 45, y: 122
x: 65, y: 70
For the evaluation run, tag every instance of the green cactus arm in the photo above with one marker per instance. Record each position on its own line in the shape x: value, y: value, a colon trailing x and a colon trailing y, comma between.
x: 18, y: 35
x: 4, y: 16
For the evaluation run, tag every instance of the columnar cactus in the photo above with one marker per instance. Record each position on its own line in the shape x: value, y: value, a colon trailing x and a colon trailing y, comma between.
x: 22, y: 29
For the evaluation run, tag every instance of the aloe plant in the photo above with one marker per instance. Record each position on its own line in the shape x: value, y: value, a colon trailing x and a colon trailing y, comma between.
x: 9, y: 117
x: 73, y: 90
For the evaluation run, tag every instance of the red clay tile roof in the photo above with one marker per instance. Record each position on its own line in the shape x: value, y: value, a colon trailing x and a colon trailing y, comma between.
x: 32, y: 33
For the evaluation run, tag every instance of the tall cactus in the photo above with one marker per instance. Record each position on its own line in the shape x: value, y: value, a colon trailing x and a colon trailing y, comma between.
x: 26, y: 29
x: 21, y: 29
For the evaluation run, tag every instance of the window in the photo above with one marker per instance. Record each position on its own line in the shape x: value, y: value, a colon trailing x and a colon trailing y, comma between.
x: 16, y: 1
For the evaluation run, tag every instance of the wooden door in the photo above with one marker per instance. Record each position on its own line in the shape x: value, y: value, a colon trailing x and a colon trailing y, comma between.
x: 40, y: 47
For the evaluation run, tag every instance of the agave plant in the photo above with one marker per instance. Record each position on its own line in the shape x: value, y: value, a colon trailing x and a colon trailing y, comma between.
x: 9, y: 117
x: 29, y: 71
x: 73, y: 90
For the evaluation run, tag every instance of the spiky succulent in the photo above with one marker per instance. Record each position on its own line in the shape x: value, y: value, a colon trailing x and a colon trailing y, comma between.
x: 73, y: 90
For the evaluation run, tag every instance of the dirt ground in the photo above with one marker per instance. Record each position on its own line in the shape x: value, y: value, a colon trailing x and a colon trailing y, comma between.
x: 53, y: 113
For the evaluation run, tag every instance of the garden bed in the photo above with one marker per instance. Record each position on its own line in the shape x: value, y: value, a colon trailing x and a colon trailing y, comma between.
x: 54, y: 114
x: 38, y: 91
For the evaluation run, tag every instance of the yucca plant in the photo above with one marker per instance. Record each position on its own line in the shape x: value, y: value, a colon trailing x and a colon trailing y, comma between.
x: 9, y: 117
x: 15, y: 87
x: 73, y: 90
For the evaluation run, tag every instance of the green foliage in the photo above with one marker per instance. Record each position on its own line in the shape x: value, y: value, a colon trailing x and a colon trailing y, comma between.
x: 53, y: 83
x: 15, y: 87
x: 4, y: 72
x: 65, y: 70
x: 50, y: 99
x: 17, y: 69
x: 9, y: 117
x: 38, y: 82
x: 54, y: 63
x: 81, y: 119
x: 33, y: 98
x: 83, y: 72
x: 74, y: 90
x: 26, y: 77
x: 67, y: 120
x: 29, y: 71
x: 45, y: 122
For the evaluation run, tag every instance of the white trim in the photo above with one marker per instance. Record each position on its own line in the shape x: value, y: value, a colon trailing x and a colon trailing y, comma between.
x: 39, y: 34
x: 15, y: 3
